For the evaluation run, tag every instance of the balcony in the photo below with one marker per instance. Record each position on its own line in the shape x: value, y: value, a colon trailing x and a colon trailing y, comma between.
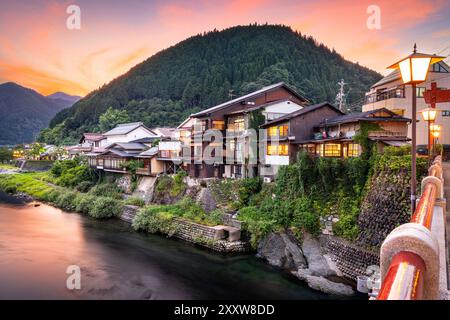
x: 385, y: 133
x: 398, y: 92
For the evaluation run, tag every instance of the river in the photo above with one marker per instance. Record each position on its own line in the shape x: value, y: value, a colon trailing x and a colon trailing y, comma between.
x: 38, y: 243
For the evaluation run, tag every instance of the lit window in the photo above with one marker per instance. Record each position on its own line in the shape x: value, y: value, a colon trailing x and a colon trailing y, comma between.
x: 283, y: 149
x: 271, y: 150
x: 283, y: 130
x: 332, y: 150
x: 239, y: 124
x: 319, y: 150
x: 353, y: 150
x: 420, y: 91
x: 219, y: 124
x: 272, y: 131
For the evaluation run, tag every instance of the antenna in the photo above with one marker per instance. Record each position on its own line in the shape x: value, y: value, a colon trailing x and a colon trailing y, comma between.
x: 231, y: 95
x: 341, y: 96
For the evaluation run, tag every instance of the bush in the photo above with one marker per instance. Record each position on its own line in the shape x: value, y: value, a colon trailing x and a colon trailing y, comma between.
x: 53, y: 196
x: 135, y: 201
x: 84, y: 203
x: 248, y: 188
x: 256, y: 223
x: 104, y: 207
x: 84, y: 186
x: 66, y: 201
x: 106, y: 190
x: 305, y: 217
x: 153, y: 220
x: 11, y: 189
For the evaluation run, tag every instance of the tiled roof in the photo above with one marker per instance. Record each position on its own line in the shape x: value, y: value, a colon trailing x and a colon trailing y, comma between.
x: 125, y: 128
x: 300, y: 112
x: 351, y: 117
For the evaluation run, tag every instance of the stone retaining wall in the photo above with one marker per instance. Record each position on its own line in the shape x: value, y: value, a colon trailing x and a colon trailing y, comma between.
x: 208, y: 237
x: 37, y: 165
x: 350, y: 259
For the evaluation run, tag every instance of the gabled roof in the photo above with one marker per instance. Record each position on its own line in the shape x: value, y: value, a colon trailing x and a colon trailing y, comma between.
x: 92, y: 137
x: 365, y: 116
x: 248, y: 96
x: 127, y: 146
x: 165, y: 132
x: 125, y: 128
x: 395, y: 75
x: 149, y: 153
x: 301, y: 112
x: 146, y: 139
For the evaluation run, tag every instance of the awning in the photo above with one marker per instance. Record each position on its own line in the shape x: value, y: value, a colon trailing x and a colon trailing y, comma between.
x: 395, y: 143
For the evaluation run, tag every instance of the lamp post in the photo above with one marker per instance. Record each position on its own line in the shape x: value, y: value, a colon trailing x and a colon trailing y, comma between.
x: 435, y: 132
x: 414, y: 70
x: 429, y: 115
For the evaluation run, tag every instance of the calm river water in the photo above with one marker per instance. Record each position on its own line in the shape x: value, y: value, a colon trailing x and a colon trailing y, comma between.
x: 37, y: 244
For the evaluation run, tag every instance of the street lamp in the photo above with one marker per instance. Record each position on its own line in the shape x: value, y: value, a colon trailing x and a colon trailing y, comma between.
x: 414, y: 69
x: 429, y: 115
x: 436, y: 132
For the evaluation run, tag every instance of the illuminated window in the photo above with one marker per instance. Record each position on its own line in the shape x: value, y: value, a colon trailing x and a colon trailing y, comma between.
x: 272, y: 131
x: 239, y: 124
x: 283, y: 130
x: 353, y: 150
x: 219, y: 124
x: 332, y: 150
x: 280, y: 150
x: 271, y: 150
x: 319, y: 150
x: 420, y: 91
x: 283, y: 149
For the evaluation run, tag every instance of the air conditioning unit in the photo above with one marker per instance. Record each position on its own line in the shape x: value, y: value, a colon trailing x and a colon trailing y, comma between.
x: 267, y: 179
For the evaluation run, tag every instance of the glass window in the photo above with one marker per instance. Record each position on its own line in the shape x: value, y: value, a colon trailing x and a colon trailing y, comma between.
x: 283, y: 130
x: 332, y: 150
x: 319, y: 150
x: 271, y: 150
x: 272, y: 131
x: 219, y: 124
x: 239, y: 124
x: 446, y: 113
x: 283, y: 149
x: 353, y: 150
x: 420, y: 91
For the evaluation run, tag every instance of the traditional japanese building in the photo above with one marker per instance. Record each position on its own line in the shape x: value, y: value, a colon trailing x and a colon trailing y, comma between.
x: 234, y: 119
x: 334, y: 136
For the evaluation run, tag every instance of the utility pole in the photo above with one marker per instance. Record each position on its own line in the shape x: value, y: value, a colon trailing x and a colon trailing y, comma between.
x: 231, y: 95
x: 340, y: 97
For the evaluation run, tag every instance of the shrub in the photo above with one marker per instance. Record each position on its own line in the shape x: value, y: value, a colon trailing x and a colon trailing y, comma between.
x: 257, y: 224
x: 106, y: 190
x: 248, y: 188
x: 178, y: 186
x: 305, y: 217
x: 135, y: 201
x: 84, y: 186
x: 66, y: 201
x: 152, y: 220
x: 10, y: 189
x: 53, y: 196
x: 104, y: 207
x: 84, y: 203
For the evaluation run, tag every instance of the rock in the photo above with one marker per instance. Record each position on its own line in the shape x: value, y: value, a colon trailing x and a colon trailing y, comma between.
x: 317, y: 264
x: 206, y: 200
x: 281, y: 250
x: 330, y: 287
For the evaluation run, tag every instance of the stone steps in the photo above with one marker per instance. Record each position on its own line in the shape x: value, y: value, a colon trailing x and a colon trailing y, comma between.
x: 128, y: 214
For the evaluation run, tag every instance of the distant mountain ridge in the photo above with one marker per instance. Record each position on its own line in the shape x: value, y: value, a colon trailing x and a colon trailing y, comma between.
x: 204, y: 70
x: 24, y: 112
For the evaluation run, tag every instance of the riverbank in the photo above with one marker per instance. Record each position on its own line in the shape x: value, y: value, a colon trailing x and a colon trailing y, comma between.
x: 117, y: 263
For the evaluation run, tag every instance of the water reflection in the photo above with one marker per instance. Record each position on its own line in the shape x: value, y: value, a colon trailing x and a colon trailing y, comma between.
x: 37, y: 244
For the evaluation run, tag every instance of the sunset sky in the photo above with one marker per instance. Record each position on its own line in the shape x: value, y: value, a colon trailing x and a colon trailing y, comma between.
x: 37, y: 50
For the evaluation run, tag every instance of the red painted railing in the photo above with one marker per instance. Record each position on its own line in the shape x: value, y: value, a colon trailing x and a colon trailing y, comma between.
x: 404, y: 279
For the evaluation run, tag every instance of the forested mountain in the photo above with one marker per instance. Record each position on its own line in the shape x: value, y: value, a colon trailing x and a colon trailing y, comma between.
x: 200, y: 71
x: 24, y: 112
x: 63, y: 99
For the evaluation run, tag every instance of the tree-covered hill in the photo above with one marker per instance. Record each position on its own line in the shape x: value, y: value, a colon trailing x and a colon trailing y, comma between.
x: 24, y: 112
x: 200, y: 71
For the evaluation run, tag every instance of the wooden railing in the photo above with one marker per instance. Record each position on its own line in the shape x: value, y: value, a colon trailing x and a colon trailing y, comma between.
x: 406, y: 275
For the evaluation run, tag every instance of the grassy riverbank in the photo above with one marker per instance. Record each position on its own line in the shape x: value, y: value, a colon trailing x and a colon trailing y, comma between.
x: 4, y: 166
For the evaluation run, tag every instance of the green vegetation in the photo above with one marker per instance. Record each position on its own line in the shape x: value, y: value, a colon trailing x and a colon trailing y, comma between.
x: 134, y: 201
x: 6, y: 155
x: 170, y: 186
x: 111, y: 118
x: 199, y: 72
x: 160, y: 218
x: 104, y: 207
x: 73, y: 173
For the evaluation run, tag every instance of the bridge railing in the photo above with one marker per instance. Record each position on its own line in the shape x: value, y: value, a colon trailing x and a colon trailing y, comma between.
x: 410, y: 259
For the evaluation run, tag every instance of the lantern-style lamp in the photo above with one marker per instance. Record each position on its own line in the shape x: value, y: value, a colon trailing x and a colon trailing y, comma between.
x: 429, y: 114
x: 414, y: 68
